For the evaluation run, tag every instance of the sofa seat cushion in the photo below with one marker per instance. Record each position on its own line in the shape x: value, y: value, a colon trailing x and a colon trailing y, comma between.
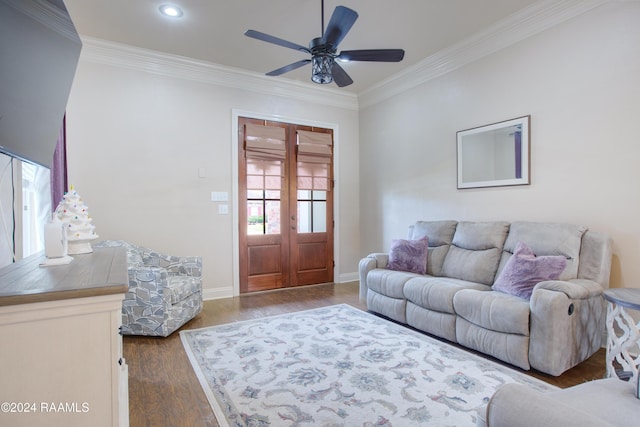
x: 393, y: 308
x: 493, y: 311
x: 436, y: 293
x: 433, y: 322
x: 388, y: 282
x: 181, y: 287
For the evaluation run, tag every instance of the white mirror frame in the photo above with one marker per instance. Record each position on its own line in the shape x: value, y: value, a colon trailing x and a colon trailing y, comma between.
x: 492, y: 156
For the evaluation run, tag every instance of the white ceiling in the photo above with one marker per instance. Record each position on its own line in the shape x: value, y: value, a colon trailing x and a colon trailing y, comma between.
x: 213, y: 30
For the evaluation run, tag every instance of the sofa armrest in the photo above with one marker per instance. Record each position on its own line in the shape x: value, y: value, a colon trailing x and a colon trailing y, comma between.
x: 567, y: 320
x: 146, y: 287
x: 368, y: 263
x: 154, y: 278
x: 381, y: 258
x: 519, y: 405
x: 574, y: 288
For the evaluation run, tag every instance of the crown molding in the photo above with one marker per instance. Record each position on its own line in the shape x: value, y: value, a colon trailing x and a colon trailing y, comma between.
x: 149, y: 61
x: 532, y: 20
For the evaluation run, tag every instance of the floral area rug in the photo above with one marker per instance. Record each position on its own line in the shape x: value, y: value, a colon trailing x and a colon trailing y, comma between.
x: 340, y: 366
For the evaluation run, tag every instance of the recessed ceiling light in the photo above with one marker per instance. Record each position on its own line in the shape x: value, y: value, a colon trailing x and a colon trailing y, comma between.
x: 171, y: 10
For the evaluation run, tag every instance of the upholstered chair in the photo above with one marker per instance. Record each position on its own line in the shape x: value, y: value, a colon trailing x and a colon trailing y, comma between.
x: 606, y: 402
x: 165, y: 291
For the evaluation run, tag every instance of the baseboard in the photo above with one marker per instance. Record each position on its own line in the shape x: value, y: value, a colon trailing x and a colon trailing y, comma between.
x: 227, y: 291
x: 347, y: 277
x: 217, y: 293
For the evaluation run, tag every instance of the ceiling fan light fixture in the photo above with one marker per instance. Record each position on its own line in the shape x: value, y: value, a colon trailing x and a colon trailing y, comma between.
x: 321, y: 69
x: 323, y: 50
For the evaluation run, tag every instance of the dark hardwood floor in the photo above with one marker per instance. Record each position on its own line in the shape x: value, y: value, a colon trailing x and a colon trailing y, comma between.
x: 164, y: 391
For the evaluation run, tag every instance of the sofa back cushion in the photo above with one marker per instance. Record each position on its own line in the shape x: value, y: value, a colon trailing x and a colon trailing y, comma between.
x: 547, y: 238
x: 440, y: 236
x: 476, y: 251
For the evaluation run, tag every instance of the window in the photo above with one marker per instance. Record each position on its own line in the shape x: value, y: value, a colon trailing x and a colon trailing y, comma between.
x: 26, y: 187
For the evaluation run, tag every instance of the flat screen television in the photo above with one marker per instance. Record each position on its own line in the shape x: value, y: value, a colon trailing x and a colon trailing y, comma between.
x: 39, y: 51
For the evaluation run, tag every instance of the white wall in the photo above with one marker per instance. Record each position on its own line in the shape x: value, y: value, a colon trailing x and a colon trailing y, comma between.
x: 579, y: 81
x: 136, y: 143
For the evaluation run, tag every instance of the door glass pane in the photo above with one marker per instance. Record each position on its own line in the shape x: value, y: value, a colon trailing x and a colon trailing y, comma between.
x: 320, y: 183
x: 304, y: 195
x: 255, y: 217
x: 312, y: 211
x: 264, y: 174
x: 254, y: 194
x: 273, y: 182
x: 255, y: 181
x: 264, y: 182
x: 319, y: 217
x: 263, y: 212
x: 304, y: 217
x: 319, y: 195
x: 313, y: 176
x: 272, y: 217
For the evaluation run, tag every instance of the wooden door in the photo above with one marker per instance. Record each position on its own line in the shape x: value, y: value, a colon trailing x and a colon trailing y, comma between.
x: 285, y: 206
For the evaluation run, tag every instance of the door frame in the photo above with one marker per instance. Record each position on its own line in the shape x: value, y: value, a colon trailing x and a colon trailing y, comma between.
x: 235, y: 114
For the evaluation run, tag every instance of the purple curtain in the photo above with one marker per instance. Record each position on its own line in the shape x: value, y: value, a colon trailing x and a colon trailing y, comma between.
x: 59, y: 168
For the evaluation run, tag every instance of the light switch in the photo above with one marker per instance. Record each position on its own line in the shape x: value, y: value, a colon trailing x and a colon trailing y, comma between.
x: 223, y: 209
x: 202, y: 172
x: 219, y: 196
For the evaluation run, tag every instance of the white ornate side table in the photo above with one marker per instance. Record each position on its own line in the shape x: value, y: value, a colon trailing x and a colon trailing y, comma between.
x: 623, y: 341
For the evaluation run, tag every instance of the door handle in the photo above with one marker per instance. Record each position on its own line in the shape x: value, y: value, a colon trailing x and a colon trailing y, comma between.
x: 293, y: 217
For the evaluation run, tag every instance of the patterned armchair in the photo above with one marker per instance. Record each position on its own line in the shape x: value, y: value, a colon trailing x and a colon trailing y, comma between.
x: 165, y: 291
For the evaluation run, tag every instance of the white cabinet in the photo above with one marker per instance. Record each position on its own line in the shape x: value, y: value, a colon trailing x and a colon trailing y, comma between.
x: 61, y: 352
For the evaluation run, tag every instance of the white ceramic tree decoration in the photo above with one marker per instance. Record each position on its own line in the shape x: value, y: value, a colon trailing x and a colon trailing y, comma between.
x: 78, y: 224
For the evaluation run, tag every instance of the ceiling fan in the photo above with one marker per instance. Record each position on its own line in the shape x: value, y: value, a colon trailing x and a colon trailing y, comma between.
x: 323, y: 50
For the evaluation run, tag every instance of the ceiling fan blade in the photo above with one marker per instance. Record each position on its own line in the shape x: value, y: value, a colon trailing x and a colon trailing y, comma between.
x: 288, y: 68
x: 275, y: 40
x: 340, y: 76
x: 339, y: 25
x: 377, y: 55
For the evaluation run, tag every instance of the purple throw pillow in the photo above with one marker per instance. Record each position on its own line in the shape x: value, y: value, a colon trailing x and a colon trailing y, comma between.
x: 409, y: 255
x: 524, y: 270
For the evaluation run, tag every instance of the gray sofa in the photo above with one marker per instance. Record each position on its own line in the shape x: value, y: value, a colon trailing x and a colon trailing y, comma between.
x: 560, y: 326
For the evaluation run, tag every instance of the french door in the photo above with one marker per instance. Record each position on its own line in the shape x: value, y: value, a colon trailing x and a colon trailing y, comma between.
x: 285, y: 205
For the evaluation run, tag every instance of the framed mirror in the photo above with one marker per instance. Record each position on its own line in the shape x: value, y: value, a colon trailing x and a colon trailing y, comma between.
x: 494, y: 155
